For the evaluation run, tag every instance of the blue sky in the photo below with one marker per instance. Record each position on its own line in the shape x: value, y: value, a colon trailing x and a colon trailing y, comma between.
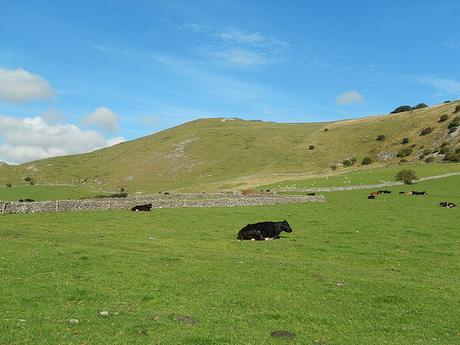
x: 115, y: 70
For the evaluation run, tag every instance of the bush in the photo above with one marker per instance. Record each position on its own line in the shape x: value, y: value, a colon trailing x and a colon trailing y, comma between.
x: 347, y: 163
x: 405, y: 140
x: 311, y: 147
x: 420, y: 106
x: 421, y: 157
x: 401, y: 109
x: 32, y: 183
x: 113, y: 195
x: 9, y: 184
x: 28, y: 178
x: 457, y: 109
x: 443, y: 118
x: 404, y: 152
x: 406, y: 175
x: 429, y: 159
x: 426, y: 130
x: 334, y: 167
x: 326, y: 129
x: 427, y: 152
x: 403, y: 161
x: 452, y: 157
x: 353, y: 160
x: 444, y: 149
x: 366, y: 161
x: 381, y: 137
x: 457, y: 150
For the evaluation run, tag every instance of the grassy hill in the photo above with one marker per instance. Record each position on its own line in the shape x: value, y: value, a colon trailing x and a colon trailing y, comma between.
x: 215, y: 154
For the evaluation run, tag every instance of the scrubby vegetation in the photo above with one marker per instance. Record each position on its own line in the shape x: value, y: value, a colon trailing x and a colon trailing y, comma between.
x: 381, y: 137
x: 426, y: 130
x: 311, y: 147
x: 452, y: 157
x: 429, y: 159
x: 366, y: 161
x: 405, y: 141
x: 404, y: 152
x: 406, y: 175
x: 404, y: 108
x: 443, y: 118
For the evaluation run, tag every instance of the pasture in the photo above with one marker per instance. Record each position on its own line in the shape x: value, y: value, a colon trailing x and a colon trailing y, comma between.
x: 353, y: 271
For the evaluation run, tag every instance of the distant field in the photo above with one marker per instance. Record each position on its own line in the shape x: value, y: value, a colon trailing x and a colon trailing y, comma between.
x: 366, y: 177
x: 354, y: 271
x: 39, y: 193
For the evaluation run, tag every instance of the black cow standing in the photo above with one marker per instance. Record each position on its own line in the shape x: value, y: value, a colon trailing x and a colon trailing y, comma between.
x: 146, y: 207
x: 263, y: 230
x: 447, y: 204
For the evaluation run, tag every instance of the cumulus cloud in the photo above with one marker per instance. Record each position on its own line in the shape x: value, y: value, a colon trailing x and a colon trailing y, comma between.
x: 33, y: 138
x: 102, y: 117
x: 350, y: 97
x: 20, y: 86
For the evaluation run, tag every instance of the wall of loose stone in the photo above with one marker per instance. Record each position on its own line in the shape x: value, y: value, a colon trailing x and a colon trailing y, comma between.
x: 157, y: 202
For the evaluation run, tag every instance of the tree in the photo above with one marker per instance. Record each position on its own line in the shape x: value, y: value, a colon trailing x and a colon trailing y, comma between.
x: 366, y: 161
x: 420, y: 106
x: 406, y: 175
x: 401, y: 109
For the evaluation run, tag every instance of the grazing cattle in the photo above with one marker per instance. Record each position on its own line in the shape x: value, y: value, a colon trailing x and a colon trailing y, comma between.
x: 311, y: 194
x: 21, y: 200
x: 264, y: 230
x: 419, y: 193
x: 384, y: 191
x: 375, y: 193
x: 447, y: 204
x: 29, y: 200
x: 371, y: 197
x: 146, y: 207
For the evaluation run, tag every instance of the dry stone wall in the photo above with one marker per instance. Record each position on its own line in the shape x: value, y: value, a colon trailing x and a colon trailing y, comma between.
x: 158, y: 202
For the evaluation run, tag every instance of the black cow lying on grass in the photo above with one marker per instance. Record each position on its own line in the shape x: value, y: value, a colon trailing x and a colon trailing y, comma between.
x: 371, y: 197
x: 447, y: 204
x: 146, y: 207
x: 263, y: 231
x: 26, y: 200
x: 419, y: 193
x: 385, y: 191
x: 311, y: 194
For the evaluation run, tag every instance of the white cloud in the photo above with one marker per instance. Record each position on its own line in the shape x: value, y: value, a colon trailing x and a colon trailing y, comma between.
x: 444, y: 86
x: 240, y: 36
x: 52, y: 116
x: 32, y: 138
x: 102, y: 117
x: 19, y: 86
x: 350, y: 97
x: 241, y: 57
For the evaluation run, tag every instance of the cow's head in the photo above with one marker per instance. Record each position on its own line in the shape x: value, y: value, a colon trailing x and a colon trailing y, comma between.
x: 285, y: 226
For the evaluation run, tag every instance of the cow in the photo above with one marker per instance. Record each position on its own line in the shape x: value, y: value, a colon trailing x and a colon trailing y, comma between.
x: 385, y: 191
x: 447, y: 204
x: 375, y: 193
x: 29, y: 200
x: 146, y: 207
x: 311, y: 194
x: 371, y: 197
x: 263, y: 231
x: 419, y: 193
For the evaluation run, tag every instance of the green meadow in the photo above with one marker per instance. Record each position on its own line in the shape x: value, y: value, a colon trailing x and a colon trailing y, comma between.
x: 46, y: 192
x: 353, y: 271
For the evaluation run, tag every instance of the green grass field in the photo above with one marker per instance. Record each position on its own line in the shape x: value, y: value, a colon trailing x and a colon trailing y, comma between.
x: 40, y: 193
x: 370, y: 176
x: 353, y: 271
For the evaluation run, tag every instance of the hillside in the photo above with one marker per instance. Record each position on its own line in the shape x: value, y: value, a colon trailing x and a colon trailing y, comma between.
x: 215, y: 154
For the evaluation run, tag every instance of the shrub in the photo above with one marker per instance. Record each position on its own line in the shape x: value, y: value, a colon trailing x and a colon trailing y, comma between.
x: 28, y: 178
x: 457, y: 109
x: 113, y: 195
x: 429, y: 159
x: 405, y: 140
x: 426, y: 130
x: 457, y: 150
x: 427, y: 152
x: 404, y: 152
x: 452, y: 157
x: 326, y: 129
x: 353, y: 160
x: 420, y: 106
x: 403, y: 161
x: 443, y: 118
x: 448, y: 101
x: 421, y: 157
x: 366, y: 161
x: 445, y: 143
x: 347, y: 163
x: 406, y: 175
x: 401, y: 109
x: 334, y: 167
x: 9, y: 184
x: 311, y: 147
x: 32, y: 183
x: 444, y: 149
x: 381, y: 137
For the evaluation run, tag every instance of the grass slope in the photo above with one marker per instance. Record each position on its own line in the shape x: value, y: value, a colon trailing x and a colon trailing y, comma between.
x: 212, y: 154
x: 354, y: 271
